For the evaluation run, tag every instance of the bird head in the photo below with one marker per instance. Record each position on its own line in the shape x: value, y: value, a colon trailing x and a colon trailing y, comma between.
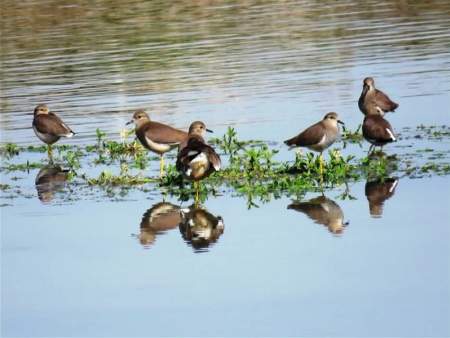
x: 41, y: 109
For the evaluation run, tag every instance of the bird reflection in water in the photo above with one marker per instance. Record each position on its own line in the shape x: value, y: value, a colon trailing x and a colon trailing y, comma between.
x: 49, y: 180
x: 199, y: 228
x: 322, y: 210
x: 157, y: 220
x: 377, y: 192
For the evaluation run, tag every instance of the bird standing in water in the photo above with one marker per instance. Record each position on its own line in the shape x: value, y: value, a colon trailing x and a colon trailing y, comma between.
x: 377, y: 130
x: 157, y: 137
x: 48, y: 127
x: 196, y: 159
x: 319, y: 136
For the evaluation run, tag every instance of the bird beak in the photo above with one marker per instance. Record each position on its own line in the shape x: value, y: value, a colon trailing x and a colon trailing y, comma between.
x: 340, y: 122
x: 209, y: 130
x: 129, y: 122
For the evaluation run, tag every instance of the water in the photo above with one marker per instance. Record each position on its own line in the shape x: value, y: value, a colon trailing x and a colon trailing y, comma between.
x: 240, y: 63
x: 269, y: 69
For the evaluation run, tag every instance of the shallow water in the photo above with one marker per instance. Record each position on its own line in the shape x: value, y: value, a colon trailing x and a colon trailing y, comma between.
x: 79, y: 264
x: 272, y: 271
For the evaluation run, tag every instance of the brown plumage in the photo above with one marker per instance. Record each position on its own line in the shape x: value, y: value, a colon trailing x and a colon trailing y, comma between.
x: 322, y: 210
x: 157, y: 137
x: 373, y: 100
x: 49, y: 180
x: 319, y: 136
x: 377, y: 130
x: 377, y: 192
x: 48, y: 127
x: 200, y: 228
x: 196, y: 159
x: 160, y: 218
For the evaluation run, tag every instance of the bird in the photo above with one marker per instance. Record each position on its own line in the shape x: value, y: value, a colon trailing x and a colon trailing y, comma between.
x: 200, y: 228
x: 322, y: 210
x: 372, y: 99
x: 196, y: 159
x: 377, y: 192
x: 50, y: 179
x: 377, y: 130
x: 157, y: 137
x: 48, y: 127
x: 160, y: 218
x: 319, y: 136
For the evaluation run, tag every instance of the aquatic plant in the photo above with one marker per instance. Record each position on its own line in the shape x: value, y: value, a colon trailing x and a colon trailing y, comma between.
x: 9, y: 150
x: 251, y: 169
x: 349, y: 136
x: 108, y: 178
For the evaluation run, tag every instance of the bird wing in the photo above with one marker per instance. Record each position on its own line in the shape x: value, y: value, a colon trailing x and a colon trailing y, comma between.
x: 195, y: 146
x: 213, y: 157
x: 309, y: 136
x: 187, y: 153
x: 162, y: 133
x: 384, y: 102
x: 378, y: 129
x: 51, y: 124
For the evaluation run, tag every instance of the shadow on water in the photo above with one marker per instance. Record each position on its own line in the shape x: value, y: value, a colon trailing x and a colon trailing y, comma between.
x: 49, y: 180
x: 377, y: 192
x: 157, y: 220
x: 199, y: 228
x: 322, y: 210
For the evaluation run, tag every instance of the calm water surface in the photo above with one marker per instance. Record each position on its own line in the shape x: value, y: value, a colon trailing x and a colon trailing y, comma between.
x: 89, y: 268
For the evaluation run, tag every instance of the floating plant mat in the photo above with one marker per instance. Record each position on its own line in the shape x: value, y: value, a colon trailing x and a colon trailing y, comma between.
x: 252, y: 169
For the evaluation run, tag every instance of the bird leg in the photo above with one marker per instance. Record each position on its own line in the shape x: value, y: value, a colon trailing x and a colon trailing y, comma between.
x: 321, y: 167
x: 50, y: 153
x: 161, y: 166
x: 370, y: 149
x: 197, y: 188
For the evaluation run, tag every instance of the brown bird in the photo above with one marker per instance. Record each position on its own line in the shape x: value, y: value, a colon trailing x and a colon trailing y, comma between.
x: 319, y: 136
x: 48, y: 127
x: 200, y: 228
x: 157, y: 137
x: 322, y: 210
x: 377, y: 192
x: 49, y: 180
x: 157, y: 220
x: 377, y: 130
x: 373, y: 100
x: 196, y: 159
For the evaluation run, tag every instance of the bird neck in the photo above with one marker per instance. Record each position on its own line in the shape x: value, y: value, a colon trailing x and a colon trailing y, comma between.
x: 197, y: 137
x: 139, y: 123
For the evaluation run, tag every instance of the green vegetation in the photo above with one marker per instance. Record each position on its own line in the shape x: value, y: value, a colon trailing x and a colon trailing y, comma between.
x: 251, y: 169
